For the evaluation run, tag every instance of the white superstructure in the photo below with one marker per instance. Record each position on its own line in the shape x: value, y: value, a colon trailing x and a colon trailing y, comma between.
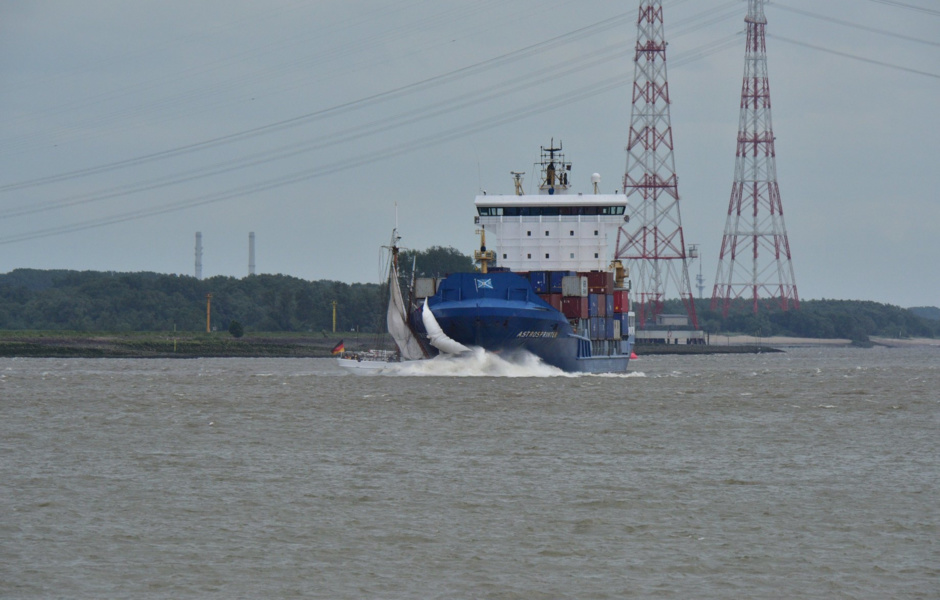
x: 554, y: 230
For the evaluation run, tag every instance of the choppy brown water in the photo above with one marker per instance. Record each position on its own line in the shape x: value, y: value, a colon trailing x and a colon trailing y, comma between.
x: 810, y: 474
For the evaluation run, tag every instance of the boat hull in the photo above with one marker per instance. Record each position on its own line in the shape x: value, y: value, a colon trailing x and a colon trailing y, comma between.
x: 500, y: 313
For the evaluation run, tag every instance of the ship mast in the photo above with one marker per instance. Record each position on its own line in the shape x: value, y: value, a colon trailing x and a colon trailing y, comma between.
x: 554, y: 170
x: 483, y: 256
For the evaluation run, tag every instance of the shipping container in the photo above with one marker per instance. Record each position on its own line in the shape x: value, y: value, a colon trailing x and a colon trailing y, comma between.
x: 555, y: 279
x: 597, y: 328
x: 574, y: 285
x: 425, y: 287
x: 554, y: 300
x: 599, y: 282
x: 624, y: 321
x: 609, y: 328
x: 618, y: 332
x: 621, y: 301
x: 597, y: 305
x: 539, y: 282
x: 609, y: 301
x: 574, y: 307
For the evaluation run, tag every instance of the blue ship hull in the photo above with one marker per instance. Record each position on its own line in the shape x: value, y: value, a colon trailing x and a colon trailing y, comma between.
x: 501, y: 313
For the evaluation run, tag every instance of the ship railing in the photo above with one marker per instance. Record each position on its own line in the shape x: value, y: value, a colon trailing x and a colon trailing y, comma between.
x: 554, y: 219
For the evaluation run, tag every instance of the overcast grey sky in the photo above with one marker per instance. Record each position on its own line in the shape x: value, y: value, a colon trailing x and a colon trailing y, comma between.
x: 125, y: 127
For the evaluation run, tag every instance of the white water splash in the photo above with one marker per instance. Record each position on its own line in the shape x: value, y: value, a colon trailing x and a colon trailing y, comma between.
x: 480, y: 363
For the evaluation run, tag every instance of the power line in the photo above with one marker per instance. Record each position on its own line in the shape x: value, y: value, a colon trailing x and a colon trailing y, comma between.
x: 411, y: 88
x: 855, y: 57
x: 504, y: 118
x: 256, y: 78
x: 550, y: 73
x: 695, y: 22
x: 895, y: 3
x: 806, y: 13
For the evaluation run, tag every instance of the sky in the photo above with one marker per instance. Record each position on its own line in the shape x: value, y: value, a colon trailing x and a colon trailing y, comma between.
x: 126, y: 127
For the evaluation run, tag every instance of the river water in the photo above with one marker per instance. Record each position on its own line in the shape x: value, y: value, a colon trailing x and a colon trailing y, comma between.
x: 808, y: 474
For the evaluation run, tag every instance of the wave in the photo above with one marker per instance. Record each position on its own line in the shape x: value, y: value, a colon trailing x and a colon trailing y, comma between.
x: 480, y: 363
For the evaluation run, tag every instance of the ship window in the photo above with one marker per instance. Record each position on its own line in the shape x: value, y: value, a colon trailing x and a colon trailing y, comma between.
x: 528, y: 233
x: 504, y: 256
x: 572, y: 255
x: 546, y: 255
x: 595, y: 232
x: 528, y: 256
x: 571, y: 232
x: 546, y: 234
x: 595, y: 255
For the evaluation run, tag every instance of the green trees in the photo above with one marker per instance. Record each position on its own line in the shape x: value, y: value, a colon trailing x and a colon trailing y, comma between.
x: 100, y: 301
x: 855, y: 320
x: 235, y: 329
x: 106, y: 301
x: 436, y: 261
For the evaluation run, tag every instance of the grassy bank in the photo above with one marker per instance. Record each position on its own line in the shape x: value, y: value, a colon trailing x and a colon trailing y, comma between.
x: 80, y: 344
x: 651, y: 349
x: 171, y: 345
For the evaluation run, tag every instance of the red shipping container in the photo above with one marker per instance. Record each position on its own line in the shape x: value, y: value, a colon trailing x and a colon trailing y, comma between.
x: 621, y: 301
x: 600, y: 282
x: 552, y: 299
x: 574, y: 307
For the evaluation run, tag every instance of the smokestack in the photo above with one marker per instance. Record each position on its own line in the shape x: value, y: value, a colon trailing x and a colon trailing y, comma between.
x: 251, y: 253
x: 198, y: 255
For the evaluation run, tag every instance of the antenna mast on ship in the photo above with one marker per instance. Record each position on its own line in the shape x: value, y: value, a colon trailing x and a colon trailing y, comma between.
x: 554, y: 170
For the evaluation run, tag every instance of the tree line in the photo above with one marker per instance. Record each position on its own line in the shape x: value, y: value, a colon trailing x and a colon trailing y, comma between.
x: 145, y: 301
x: 855, y: 320
x: 107, y: 301
x: 33, y: 299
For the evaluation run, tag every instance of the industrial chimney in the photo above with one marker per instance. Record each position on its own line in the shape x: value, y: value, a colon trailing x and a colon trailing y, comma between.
x: 198, y: 255
x: 251, y: 253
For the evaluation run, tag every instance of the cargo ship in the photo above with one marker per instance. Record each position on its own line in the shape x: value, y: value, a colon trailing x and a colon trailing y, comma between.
x: 546, y: 284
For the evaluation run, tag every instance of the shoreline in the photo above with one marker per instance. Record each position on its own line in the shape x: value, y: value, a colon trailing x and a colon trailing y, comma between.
x: 52, y: 344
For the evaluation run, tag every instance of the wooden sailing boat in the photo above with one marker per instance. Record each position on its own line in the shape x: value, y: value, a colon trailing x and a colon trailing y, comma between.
x: 407, y: 346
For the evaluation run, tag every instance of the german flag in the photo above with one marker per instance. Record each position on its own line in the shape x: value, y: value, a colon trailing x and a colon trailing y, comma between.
x: 338, y: 348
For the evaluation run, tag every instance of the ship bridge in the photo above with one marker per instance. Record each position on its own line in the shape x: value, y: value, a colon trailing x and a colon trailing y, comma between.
x: 552, y: 230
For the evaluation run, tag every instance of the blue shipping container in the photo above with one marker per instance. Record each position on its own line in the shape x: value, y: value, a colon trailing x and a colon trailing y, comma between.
x: 594, y: 301
x: 539, y: 281
x: 610, y: 304
x: 597, y: 328
x: 624, y: 325
x: 555, y: 278
x: 609, y: 328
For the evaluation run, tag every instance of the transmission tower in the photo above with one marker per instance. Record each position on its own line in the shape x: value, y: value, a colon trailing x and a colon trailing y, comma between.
x: 651, y: 242
x: 755, y: 253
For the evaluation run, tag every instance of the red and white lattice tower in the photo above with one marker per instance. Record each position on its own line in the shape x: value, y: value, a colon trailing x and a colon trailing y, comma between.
x: 755, y: 257
x: 651, y: 243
